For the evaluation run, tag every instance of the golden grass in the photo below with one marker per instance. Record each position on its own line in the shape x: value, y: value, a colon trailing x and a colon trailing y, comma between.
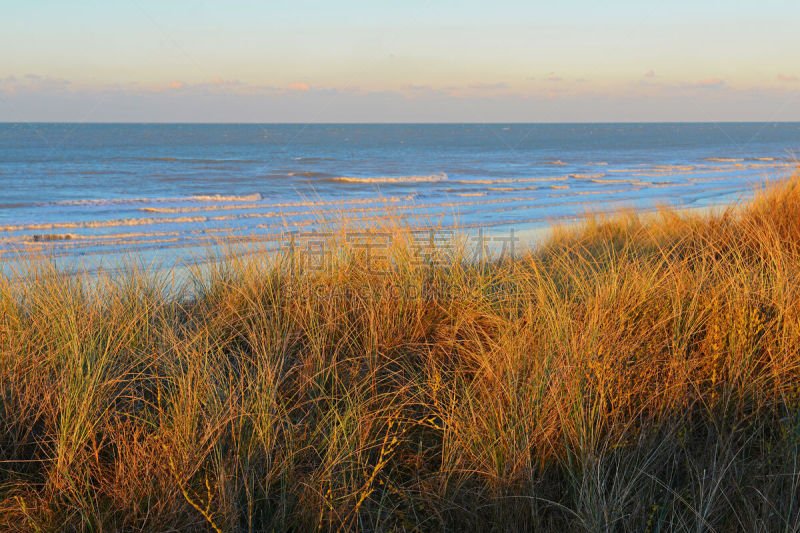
x: 639, y: 373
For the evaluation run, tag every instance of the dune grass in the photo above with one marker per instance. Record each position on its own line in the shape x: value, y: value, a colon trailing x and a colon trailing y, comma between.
x: 638, y: 373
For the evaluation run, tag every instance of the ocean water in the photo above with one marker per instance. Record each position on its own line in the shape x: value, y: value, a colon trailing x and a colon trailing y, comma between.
x: 88, y: 195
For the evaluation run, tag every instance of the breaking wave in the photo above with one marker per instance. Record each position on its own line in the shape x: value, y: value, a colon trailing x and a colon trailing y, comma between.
x: 492, y: 181
x: 431, y: 178
x: 255, y: 197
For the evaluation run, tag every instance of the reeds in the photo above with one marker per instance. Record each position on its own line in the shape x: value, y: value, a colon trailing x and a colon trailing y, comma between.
x: 637, y: 373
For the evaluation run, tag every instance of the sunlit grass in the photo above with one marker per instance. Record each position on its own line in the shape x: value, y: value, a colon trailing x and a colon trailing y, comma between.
x: 638, y: 372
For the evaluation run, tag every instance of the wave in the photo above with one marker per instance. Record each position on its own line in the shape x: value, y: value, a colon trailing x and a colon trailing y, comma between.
x: 506, y: 189
x: 725, y: 159
x: 102, y: 223
x: 302, y: 203
x: 493, y: 181
x: 534, y: 188
x: 587, y: 176
x: 430, y: 178
x: 281, y: 219
x: 661, y: 169
x: 146, y: 221
x: 662, y: 184
x: 597, y: 180
x: 310, y: 174
x: 255, y: 197
x: 104, y: 201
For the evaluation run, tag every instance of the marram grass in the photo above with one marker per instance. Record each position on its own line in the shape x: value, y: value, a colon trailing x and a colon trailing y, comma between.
x: 638, y: 373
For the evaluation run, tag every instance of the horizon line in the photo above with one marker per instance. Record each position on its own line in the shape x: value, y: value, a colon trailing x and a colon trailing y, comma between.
x: 414, y: 123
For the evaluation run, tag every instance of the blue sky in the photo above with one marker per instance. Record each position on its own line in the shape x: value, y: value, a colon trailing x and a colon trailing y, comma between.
x: 418, y: 60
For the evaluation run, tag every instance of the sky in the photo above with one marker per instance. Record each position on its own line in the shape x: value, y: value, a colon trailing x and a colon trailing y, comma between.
x: 410, y: 61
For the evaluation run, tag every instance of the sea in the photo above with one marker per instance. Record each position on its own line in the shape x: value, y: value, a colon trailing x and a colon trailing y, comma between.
x: 93, y: 196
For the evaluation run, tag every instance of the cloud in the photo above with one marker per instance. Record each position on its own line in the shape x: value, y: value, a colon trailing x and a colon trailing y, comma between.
x: 34, y: 82
x: 299, y: 86
x: 413, y: 87
x: 221, y: 85
x: 221, y: 100
x: 708, y: 83
x: 489, y: 86
x: 650, y: 74
x: 222, y: 82
x: 413, y: 90
x: 216, y: 86
x: 171, y: 86
x: 552, y: 77
x: 789, y: 78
